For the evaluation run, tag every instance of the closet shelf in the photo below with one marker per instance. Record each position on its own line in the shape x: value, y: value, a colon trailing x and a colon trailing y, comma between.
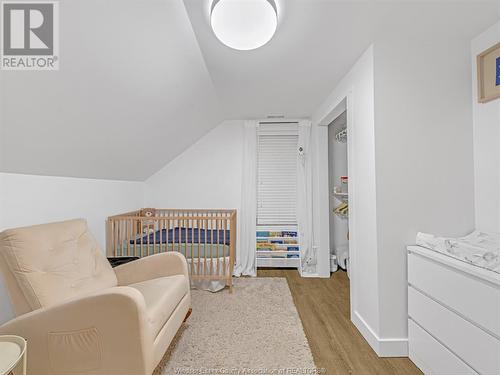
x: 341, y: 196
x: 341, y: 136
x: 341, y: 215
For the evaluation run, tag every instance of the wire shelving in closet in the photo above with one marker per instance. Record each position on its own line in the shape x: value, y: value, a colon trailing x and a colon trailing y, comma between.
x: 341, y: 136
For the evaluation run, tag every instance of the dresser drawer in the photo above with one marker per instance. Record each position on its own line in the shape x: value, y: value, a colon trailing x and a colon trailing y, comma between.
x: 432, y: 357
x: 477, y: 300
x: 477, y: 348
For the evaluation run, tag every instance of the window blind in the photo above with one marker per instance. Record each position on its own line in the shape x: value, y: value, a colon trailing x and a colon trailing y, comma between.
x: 277, y: 174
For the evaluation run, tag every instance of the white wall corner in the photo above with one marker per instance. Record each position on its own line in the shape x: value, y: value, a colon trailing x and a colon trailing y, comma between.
x: 356, y: 90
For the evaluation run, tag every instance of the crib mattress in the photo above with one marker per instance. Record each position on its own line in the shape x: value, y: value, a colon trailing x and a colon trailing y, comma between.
x: 477, y: 248
x: 189, y: 250
x: 185, y: 235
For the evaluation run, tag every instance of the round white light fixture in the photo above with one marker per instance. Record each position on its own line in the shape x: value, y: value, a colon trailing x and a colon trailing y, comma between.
x: 244, y: 24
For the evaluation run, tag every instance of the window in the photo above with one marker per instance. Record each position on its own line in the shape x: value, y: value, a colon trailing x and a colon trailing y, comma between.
x: 277, y: 174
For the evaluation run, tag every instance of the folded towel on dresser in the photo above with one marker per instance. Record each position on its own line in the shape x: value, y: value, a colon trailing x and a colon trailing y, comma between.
x: 481, y: 249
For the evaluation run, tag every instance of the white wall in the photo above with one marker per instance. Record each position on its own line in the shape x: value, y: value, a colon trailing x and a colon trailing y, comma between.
x: 206, y: 175
x: 357, y: 86
x: 486, y: 127
x: 28, y: 199
x: 423, y: 128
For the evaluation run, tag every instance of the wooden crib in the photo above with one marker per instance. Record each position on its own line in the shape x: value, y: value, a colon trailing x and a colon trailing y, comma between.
x: 207, y: 238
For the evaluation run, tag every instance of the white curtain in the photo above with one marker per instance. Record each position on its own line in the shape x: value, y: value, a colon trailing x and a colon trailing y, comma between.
x: 304, y: 198
x: 245, y: 252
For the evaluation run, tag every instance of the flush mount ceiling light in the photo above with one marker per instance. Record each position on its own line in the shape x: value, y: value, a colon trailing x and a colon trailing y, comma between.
x: 244, y: 24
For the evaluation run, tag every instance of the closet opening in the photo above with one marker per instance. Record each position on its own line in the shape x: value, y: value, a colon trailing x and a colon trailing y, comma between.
x: 338, y: 191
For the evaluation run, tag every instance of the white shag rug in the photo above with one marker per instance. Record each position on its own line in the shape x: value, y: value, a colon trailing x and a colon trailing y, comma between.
x: 254, y: 330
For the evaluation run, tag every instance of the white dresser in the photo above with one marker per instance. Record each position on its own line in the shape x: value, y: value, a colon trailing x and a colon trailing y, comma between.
x: 453, y: 315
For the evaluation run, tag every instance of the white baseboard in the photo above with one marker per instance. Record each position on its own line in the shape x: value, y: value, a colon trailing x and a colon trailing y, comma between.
x: 390, y: 347
x: 307, y: 274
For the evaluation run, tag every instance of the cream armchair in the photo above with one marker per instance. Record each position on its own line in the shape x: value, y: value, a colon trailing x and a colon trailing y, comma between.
x: 81, y: 316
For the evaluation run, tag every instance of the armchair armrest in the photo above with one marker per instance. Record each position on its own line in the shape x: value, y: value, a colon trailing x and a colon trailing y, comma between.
x: 89, y: 333
x: 152, y: 267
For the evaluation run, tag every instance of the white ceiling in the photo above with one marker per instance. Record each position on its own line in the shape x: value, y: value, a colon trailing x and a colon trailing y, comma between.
x: 314, y: 46
x: 140, y: 81
x: 316, y: 43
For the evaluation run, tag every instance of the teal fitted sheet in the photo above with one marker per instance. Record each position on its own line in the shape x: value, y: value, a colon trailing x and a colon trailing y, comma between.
x: 188, y: 250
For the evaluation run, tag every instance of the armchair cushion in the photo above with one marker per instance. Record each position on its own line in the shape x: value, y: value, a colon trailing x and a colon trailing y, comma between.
x: 161, y: 295
x: 55, y: 262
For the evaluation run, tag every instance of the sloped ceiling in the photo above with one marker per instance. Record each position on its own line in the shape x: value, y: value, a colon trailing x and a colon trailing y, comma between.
x: 132, y: 92
x: 142, y: 80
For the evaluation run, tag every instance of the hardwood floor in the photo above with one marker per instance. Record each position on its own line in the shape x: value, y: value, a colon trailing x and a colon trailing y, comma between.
x: 337, y: 346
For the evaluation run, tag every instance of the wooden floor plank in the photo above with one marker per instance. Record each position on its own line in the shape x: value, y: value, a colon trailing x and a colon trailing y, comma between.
x: 336, y: 344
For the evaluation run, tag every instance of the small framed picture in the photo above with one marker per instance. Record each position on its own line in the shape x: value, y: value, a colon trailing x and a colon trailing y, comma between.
x: 488, y: 74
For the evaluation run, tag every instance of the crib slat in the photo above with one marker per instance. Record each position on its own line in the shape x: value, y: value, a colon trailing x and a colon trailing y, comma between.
x: 109, y: 237
x: 117, y: 237
x: 181, y: 246
x: 205, y: 247
x: 191, y: 224
x: 173, y: 233
x: 113, y: 238
x: 186, y: 224
x: 148, y: 247
x: 124, y: 237
x: 142, y: 238
x: 123, y: 234
x: 212, y: 260
x: 224, y: 247
x: 154, y: 236
x: 232, y: 248
x: 157, y: 225
x: 134, y: 236
x: 199, y: 241
x: 168, y: 234
x: 162, y: 240
x: 218, y: 244
x: 128, y: 235
x: 121, y: 243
